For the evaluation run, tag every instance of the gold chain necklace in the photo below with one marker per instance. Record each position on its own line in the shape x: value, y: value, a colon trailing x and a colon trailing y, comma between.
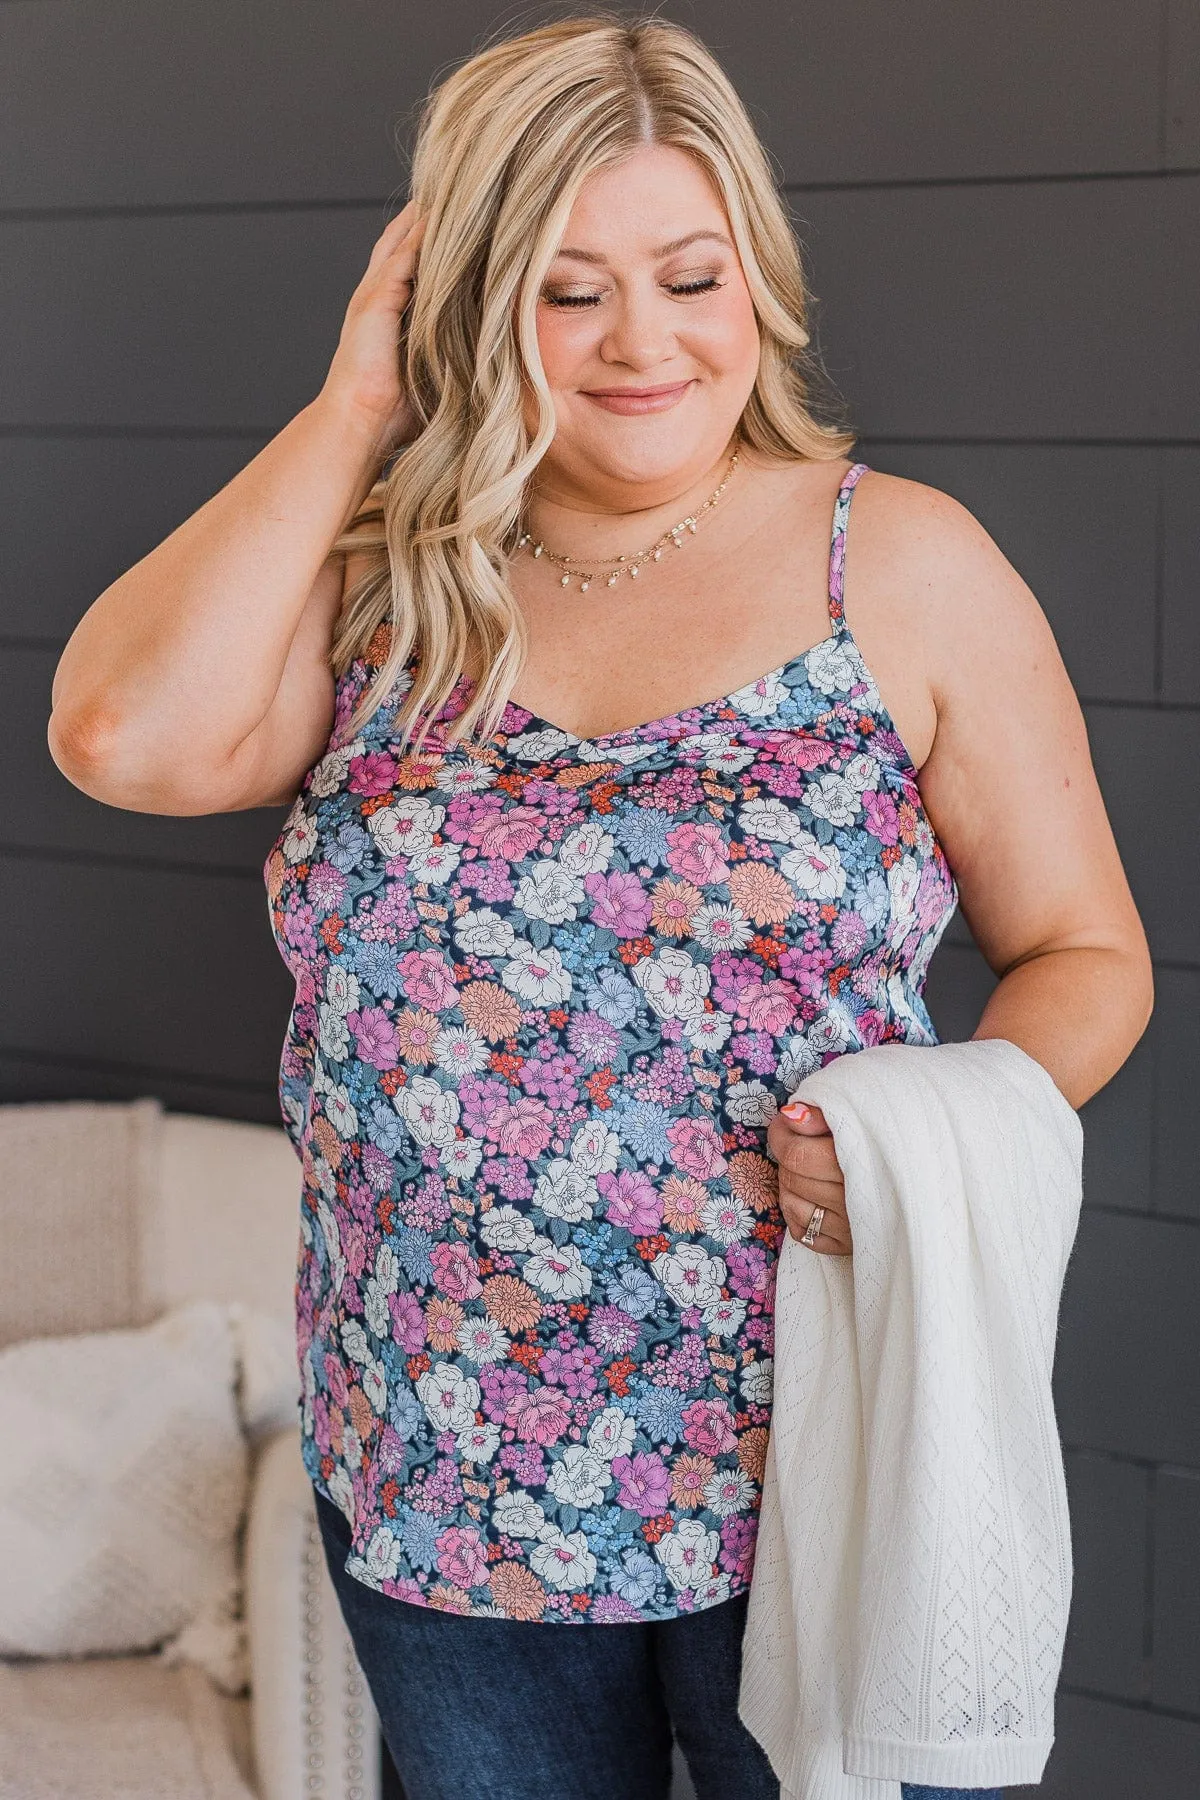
x: 631, y: 562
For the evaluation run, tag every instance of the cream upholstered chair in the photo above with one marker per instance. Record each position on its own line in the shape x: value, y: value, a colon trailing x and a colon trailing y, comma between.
x: 152, y: 1209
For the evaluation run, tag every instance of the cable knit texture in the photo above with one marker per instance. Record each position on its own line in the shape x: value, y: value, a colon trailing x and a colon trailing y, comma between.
x: 913, y: 1579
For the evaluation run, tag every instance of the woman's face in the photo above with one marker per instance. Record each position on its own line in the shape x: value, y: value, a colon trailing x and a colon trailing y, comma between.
x: 619, y: 311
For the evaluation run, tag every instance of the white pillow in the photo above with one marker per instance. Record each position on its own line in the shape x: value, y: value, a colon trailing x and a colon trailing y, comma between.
x: 123, y: 1479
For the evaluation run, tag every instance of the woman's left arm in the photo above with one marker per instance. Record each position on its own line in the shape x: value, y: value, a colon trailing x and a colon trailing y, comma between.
x: 1011, y: 792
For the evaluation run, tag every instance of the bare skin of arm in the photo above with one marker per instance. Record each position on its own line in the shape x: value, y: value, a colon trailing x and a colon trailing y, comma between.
x: 1011, y: 792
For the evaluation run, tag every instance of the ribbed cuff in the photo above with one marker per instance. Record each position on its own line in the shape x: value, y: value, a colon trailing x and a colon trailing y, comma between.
x: 975, y: 1762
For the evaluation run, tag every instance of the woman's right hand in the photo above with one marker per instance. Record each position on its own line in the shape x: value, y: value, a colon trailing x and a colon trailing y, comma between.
x: 365, y: 376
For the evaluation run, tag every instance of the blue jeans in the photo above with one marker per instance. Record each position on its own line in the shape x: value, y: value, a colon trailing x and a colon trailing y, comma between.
x: 496, y: 1709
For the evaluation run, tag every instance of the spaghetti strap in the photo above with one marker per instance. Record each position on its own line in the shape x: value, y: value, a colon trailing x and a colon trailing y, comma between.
x: 837, y: 549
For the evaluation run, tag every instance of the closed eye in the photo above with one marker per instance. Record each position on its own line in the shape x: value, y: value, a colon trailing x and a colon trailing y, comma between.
x: 705, y: 286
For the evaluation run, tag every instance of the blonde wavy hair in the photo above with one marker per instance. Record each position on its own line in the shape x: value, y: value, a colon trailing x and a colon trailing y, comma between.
x: 503, y: 146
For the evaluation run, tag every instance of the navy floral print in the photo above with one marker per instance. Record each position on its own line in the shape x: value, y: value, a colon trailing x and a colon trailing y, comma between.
x: 549, y: 994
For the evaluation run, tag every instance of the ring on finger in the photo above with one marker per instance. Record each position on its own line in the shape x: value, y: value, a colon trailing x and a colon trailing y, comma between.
x: 812, y: 1230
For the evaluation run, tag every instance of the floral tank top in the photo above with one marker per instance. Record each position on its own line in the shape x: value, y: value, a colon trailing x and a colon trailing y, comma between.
x: 549, y: 994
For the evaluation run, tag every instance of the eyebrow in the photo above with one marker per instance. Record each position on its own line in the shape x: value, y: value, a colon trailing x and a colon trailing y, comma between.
x: 717, y: 237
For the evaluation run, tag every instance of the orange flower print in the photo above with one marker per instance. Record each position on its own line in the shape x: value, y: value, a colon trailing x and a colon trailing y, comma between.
x: 511, y: 1302
x: 517, y: 1591
x: 688, y: 1476
x: 754, y: 1179
x: 763, y: 893
x: 752, y: 1451
x: 489, y: 1010
x: 674, y: 904
x: 416, y: 1030
x: 442, y: 1320
x: 682, y: 1198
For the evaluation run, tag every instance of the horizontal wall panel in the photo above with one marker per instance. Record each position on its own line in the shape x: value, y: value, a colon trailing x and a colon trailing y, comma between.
x: 1176, y: 1162
x: 216, y: 320
x: 1046, y: 309
x: 79, y: 511
x: 946, y: 312
x: 1080, y: 524
x: 24, y: 1078
x: 1181, y: 575
x: 1129, y: 1339
x: 41, y: 810
x: 1104, y: 1750
x: 293, y: 99
x: 1177, y: 1591
x: 1146, y: 763
x: 1118, y: 1133
x: 1109, y: 1501
x: 143, y: 968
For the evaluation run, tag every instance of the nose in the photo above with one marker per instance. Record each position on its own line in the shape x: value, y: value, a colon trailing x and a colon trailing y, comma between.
x: 641, y: 331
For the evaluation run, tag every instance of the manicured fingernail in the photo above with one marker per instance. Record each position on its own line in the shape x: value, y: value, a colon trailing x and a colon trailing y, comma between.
x: 796, y: 1109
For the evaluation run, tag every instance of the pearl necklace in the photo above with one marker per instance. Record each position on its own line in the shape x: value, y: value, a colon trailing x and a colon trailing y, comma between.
x: 630, y: 563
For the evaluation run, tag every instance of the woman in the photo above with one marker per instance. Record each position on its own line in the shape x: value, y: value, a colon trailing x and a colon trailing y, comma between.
x: 566, y: 931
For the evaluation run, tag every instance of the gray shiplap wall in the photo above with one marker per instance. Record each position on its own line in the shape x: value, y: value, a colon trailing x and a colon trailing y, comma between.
x: 999, y: 208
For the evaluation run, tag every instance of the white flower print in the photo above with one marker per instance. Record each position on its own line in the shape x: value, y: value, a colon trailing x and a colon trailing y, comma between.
x: 564, y: 1192
x: 688, y: 1553
x: 611, y: 1433
x: 721, y: 926
x: 558, y: 1270
x: 727, y: 1492
x: 758, y: 1381
x: 300, y: 838
x: 333, y: 1033
x: 385, y: 1281
x: 331, y: 771
x: 460, y: 1050
x: 708, y: 1030
x: 579, y: 1477
x: 815, y: 868
x: 749, y: 1102
x: 674, y: 985
x: 798, y: 1058
x: 448, y: 1396
x: 342, y: 989
x: 382, y: 1555
x: 460, y: 1156
x: 374, y: 1385
x: 726, y: 1219
x: 550, y: 892
x: 771, y: 821
x: 595, y: 1149
x: 721, y: 753
x: 538, y: 746
x: 833, y: 1031
x: 586, y: 851
x: 406, y: 825
x: 478, y: 1443
x: 536, y: 975
x: 834, y: 798
x: 724, y: 1317
x: 341, y: 1112
x: 636, y: 751
x: 712, y: 1591
x: 563, y: 1562
x: 690, y: 1275
x: 463, y: 775
x: 482, y: 1340
x: 333, y: 1245
x: 832, y: 667
x: 862, y: 771
x: 518, y: 1515
x: 483, y: 932
x: 435, y: 864
x: 505, y: 1228
x: 903, y: 879
x: 429, y: 1110
x: 760, y: 697
x: 354, y: 1341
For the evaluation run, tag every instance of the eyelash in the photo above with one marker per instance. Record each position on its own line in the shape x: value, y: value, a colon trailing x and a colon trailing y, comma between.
x: 706, y: 286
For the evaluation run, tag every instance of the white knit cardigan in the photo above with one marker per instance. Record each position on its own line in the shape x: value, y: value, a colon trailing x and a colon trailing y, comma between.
x: 913, y: 1575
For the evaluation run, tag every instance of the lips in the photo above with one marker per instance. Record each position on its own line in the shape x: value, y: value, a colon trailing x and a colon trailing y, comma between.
x: 638, y: 400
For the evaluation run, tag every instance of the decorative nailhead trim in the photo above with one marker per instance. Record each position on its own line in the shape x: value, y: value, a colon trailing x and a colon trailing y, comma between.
x: 311, y: 1714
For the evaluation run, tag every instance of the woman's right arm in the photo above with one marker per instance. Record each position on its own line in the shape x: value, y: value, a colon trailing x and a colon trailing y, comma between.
x: 199, y: 682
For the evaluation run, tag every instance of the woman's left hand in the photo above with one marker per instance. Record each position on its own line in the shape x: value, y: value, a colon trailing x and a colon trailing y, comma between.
x: 810, y: 1176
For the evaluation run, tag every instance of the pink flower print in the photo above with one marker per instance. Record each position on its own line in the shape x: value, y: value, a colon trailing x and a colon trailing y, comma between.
x: 697, y: 852
x: 455, y: 1271
x: 408, y: 1322
x: 509, y: 835
x: 631, y: 1201
x: 771, y: 1006
x: 525, y: 1128
x: 708, y: 1426
x: 374, y: 773
x: 539, y: 1417
x: 428, y: 979
x: 696, y: 1148
x: 461, y: 1556
x: 645, y: 1483
x: 880, y: 816
x: 374, y: 1037
x: 620, y: 903
x: 802, y: 752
